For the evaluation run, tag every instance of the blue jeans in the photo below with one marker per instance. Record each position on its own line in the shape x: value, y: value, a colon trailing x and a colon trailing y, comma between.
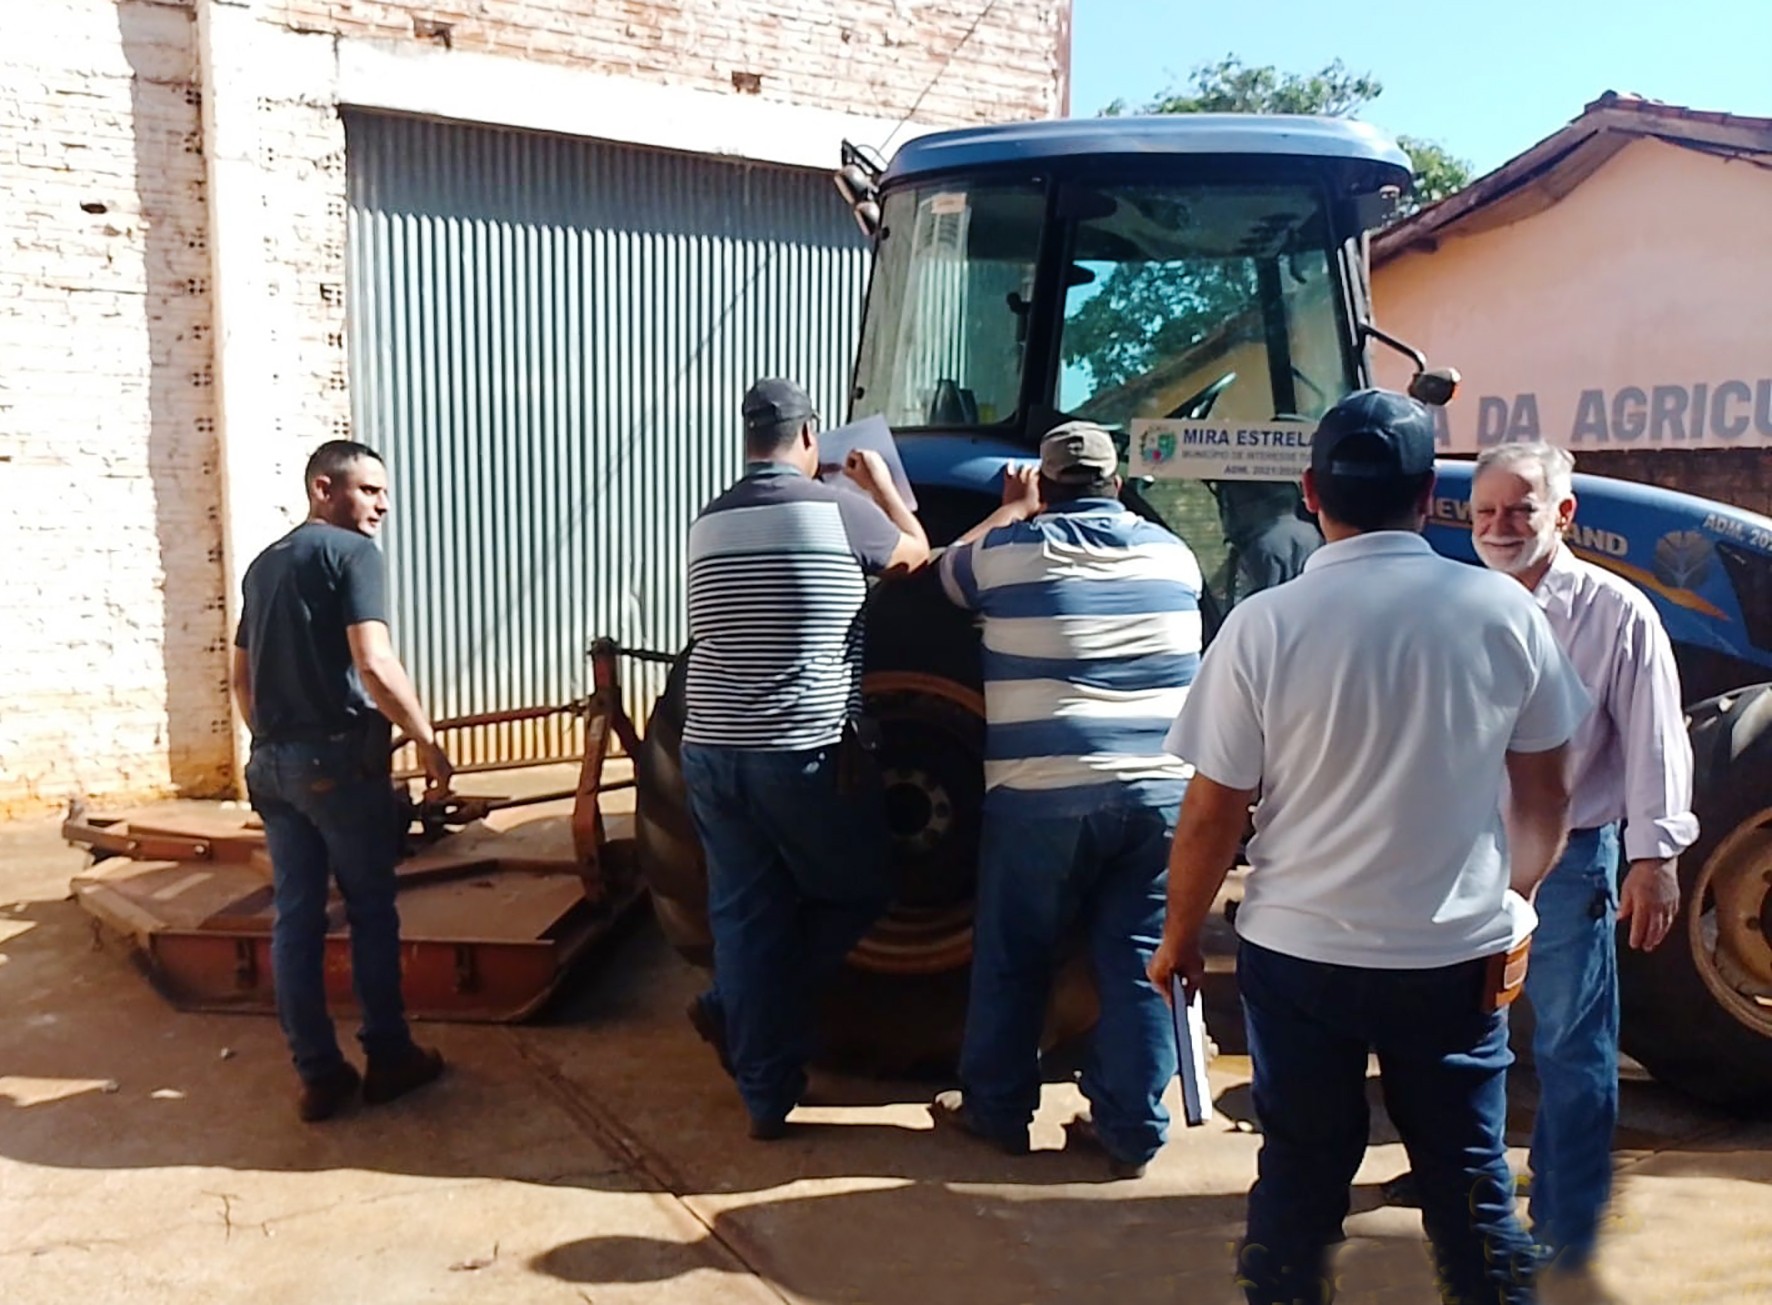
x: 797, y: 872
x: 1572, y: 983
x: 329, y: 812
x: 1038, y: 880
x: 1444, y: 1064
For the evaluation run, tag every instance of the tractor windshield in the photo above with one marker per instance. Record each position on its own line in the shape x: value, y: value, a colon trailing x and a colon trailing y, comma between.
x: 1107, y: 302
x: 945, y: 339
x: 1204, y: 301
x: 1195, y: 301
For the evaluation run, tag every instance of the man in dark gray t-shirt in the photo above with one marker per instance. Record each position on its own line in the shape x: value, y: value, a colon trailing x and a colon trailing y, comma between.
x: 316, y: 678
x: 301, y: 595
x: 796, y: 867
x: 1269, y: 541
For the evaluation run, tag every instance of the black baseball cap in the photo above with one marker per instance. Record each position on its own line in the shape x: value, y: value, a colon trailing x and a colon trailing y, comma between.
x: 775, y: 402
x: 1399, y: 443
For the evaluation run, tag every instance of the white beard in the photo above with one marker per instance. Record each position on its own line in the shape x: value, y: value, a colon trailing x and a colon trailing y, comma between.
x: 1497, y: 556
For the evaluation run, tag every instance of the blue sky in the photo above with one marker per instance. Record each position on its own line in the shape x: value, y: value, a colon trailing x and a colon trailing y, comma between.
x: 1486, y: 80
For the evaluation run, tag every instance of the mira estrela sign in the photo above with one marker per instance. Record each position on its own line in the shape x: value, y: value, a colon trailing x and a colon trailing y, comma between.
x: 1220, y: 450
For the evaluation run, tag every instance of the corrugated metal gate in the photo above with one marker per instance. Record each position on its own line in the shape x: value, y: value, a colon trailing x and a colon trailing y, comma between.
x: 549, y: 338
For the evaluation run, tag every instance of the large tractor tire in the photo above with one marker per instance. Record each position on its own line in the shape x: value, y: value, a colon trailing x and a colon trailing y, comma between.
x: 1697, y: 1011
x: 899, y: 1007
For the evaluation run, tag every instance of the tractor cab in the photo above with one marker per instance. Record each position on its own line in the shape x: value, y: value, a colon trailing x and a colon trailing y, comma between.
x: 1123, y: 270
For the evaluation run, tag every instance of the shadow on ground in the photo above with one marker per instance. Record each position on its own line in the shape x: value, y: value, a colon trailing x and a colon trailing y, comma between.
x: 920, y: 1243
x: 98, y: 1072
x: 611, y: 1092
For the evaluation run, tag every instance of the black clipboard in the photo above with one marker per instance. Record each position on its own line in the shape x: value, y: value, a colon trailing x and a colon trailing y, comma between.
x: 1189, y: 1022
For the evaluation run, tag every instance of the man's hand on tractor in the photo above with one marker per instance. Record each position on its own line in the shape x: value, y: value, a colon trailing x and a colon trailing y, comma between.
x: 1650, y: 899
x: 1021, y: 488
x: 1021, y: 499
x: 1177, y: 956
x: 439, y: 770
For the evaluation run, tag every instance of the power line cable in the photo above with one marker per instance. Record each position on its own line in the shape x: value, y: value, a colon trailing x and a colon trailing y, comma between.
x: 945, y: 64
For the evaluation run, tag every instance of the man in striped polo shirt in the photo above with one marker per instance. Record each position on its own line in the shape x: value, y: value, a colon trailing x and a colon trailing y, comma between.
x: 1091, y: 631
x: 796, y: 863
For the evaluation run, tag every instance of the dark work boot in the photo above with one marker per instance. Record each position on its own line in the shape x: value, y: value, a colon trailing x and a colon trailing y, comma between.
x: 709, y: 1023
x: 1404, y: 1191
x: 323, y: 1097
x: 394, y: 1076
x: 949, y: 1110
x: 1082, y: 1132
x: 767, y: 1130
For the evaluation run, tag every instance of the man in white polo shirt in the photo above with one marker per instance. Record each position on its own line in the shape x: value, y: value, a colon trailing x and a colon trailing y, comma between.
x: 1373, y: 706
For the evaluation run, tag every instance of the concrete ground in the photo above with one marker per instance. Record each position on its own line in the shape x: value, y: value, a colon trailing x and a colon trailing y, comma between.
x: 598, y: 1155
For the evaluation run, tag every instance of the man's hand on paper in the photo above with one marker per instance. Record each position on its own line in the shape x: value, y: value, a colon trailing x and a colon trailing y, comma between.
x: 867, y: 469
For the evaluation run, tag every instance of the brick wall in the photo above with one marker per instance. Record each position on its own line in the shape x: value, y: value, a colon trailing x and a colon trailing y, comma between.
x: 134, y: 484
x: 952, y: 61
x: 1742, y: 477
x: 281, y: 168
x: 112, y: 670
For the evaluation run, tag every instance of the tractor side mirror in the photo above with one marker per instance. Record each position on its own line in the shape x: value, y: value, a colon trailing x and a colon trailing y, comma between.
x: 1435, y: 387
x: 858, y: 181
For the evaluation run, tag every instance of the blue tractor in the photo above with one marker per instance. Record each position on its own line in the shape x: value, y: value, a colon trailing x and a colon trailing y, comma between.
x: 1207, y: 267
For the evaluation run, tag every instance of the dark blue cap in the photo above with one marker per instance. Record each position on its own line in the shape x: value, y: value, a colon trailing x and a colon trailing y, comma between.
x: 773, y: 402
x: 1401, y: 431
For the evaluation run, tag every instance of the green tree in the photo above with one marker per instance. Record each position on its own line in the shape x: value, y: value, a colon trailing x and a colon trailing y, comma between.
x: 1148, y: 311
x: 1437, y: 173
x: 1231, y: 86
x: 1144, y: 312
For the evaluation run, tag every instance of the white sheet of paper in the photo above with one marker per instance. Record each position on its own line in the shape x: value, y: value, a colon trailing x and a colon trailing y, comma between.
x: 868, y: 433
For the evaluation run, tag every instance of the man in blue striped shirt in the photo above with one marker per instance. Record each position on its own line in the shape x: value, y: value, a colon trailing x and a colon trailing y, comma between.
x: 1091, y: 633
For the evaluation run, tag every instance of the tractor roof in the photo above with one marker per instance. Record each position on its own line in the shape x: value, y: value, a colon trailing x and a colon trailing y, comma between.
x: 1225, y: 135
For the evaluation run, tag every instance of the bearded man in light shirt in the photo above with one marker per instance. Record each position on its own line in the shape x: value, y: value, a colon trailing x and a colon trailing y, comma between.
x: 1630, y: 761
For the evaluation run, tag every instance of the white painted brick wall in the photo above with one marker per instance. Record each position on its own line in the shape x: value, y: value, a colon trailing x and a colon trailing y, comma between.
x: 112, y: 667
x: 121, y: 560
x: 279, y: 166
